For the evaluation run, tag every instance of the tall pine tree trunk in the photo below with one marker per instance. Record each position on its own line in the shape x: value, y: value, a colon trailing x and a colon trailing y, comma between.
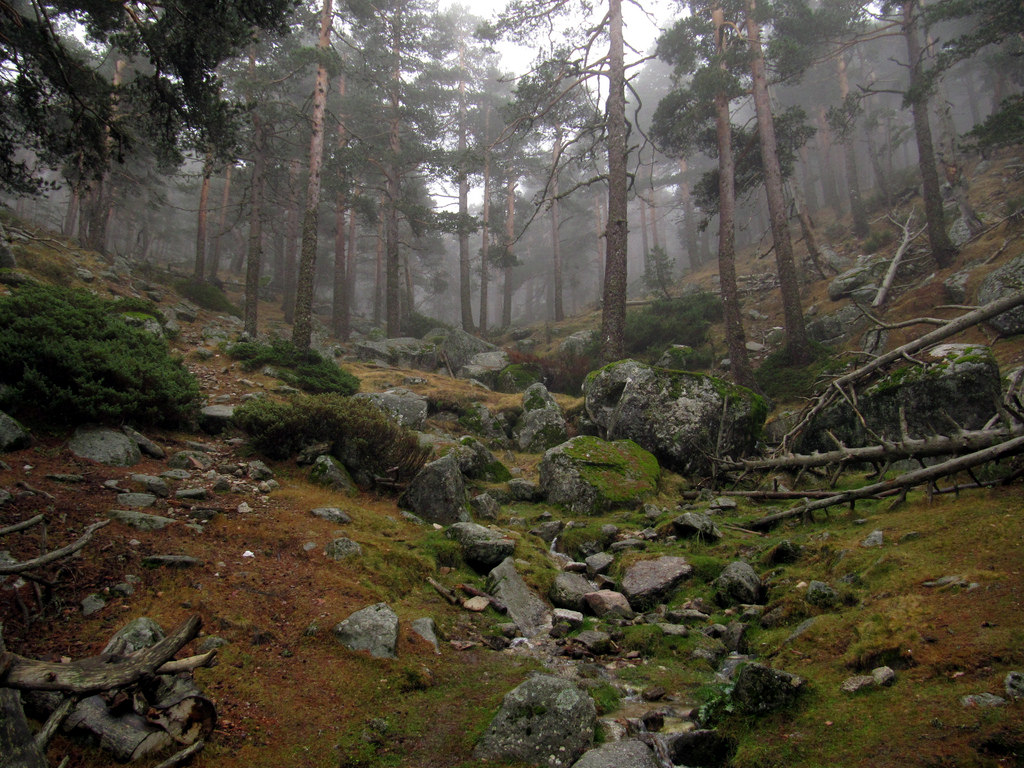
x: 798, y: 348
x: 302, y: 331
x: 213, y: 267
x: 292, y: 238
x: 613, y: 312
x: 689, y: 222
x: 485, y: 240
x: 510, y: 233
x: 392, y: 262
x: 339, y: 295
x: 199, y: 272
x: 378, y: 275
x: 857, y: 211
x: 255, y: 250
x: 556, y: 251
x: 943, y: 250
x: 465, y: 277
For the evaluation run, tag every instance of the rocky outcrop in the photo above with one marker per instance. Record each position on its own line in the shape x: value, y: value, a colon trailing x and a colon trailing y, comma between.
x: 476, y: 462
x: 437, y: 493
x: 482, y: 548
x: 12, y: 435
x: 569, y: 590
x: 542, y: 424
x: 530, y: 614
x: 759, y: 689
x: 330, y: 472
x: 545, y: 721
x: 649, y: 582
x: 1001, y: 282
x: 401, y: 352
x: 682, y: 418
x: 406, y: 408
x: 589, y: 475
x: 373, y: 629
x: 618, y: 754
x: 106, y: 446
x: 738, y: 583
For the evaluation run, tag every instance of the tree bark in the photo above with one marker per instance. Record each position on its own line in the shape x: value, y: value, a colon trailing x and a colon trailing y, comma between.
x: 465, y: 276
x: 255, y: 251
x: 510, y: 234
x: 857, y: 211
x: 556, y: 223
x: 292, y: 238
x: 302, y: 330
x: 339, y: 295
x: 485, y: 240
x: 392, y: 261
x: 613, y: 310
x: 214, y: 263
x: 199, y: 272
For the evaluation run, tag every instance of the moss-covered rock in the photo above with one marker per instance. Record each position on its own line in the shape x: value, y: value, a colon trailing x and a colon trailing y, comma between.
x: 516, y: 377
x: 589, y: 475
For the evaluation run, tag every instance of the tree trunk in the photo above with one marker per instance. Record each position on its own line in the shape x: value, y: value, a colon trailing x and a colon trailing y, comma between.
x: 199, y: 272
x: 689, y: 222
x: 351, y: 274
x: 378, y: 275
x: 214, y: 264
x: 857, y: 211
x: 292, y: 236
x: 599, y: 245
x: 465, y: 275
x: 302, y: 330
x: 255, y: 257
x: 392, y: 190
x: 510, y: 233
x: 735, y: 337
x: 798, y: 348
x: 943, y: 250
x: 556, y: 251
x: 827, y: 175
x: 74, y: 202
x: 339, y: 296
x: 613, y: 310
x: 485, y: 243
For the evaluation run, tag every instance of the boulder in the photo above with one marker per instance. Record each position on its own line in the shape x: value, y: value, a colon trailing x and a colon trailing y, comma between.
x: 13, y: 436
x: 821, y: 595
x: 836, y: 327
x: 478, y: 419
x: 400, y: 352
x: 482, y: 548
x: 692, y: 525
x: 484, y: 366
x: 738, y: 583
x: 576, y: 344
x: 619, y: 754
x: 599, y: 563
x: 528, y: 611
x: 373, y: 629
x: 437, y: 493
x: 458, y: 346
x: 649, y: 582
x: 146, y: 445
x: 545, y: 721
x: 759, y: 689
x: 476, y: 462
x: 405, y: 407
x: 139, y: 633
x: 426, y: 629
x: 569, y: 590
x: 516, y: 377
x: 682, y: 418
x: 960, y: 382
x: 1002, y: 282
x: 865, y: 274
x: 542, y: 424
x: 608, y: 603
x: 342, y: 548
x: 190, y: 460
x: 330, y: 472
x: 589, y: 475
x: 140, y: 520
x: 106, y: 446
x: 214, y: 419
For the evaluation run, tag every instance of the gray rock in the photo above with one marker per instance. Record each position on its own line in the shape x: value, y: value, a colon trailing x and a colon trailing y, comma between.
x: 330, y: 472
x: 837, y: 326
x: 214, y: 419
x: 343, y: 548
x: 759, y: 689
x: 139, y: 633
x: 874, y: 539
x: 594, y: 641
x: 821, y: 595
x: 548, y: 531
x: 691, y: 525
x: 619, y: 754
x: 956, y: 286
x: 569, y: 590
x: 210, y: 643
x: 589, y: 475
x: 257, y: 470
x: 136, y: 500
x: 738, y: 583
x: 13, y: 436
x: 332, y: 515
x: 405, y: 407
x: 154, y: 485
x: 437, y: 493
x: 190, y: 459
x: 478, y: 419
x: 485, y: 506
x: 599, y: 563
x: 1013, y: 684
x: 1005, y: 281
x: 857, y: 683
x: 105, y: 446
x: 520, y: 489
x: 373, y: 629
x: 482, y: 548
x: 458, y: 346
x: 982, y: 701
x: 545, y: 721
x: 92, y: 604
x: 426, y: 629
x: 542, y: 424
x: 140, y: 520
x: 528, y: 611
x: 575, y: 344
x: 883, y: 676
x: 682, y: 418
x: 571, y: 619
x: 649, y: 582
x: 197, y: 494
x: 401, y: 352
x: 476, y: 461
x: 484, y: 366
x: 861, y: 276
x: 607, y: 603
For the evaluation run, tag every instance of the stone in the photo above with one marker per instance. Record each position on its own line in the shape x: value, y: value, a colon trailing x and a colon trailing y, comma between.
x: 332, y: 515
x: 106, y: 446
x: 257, y: 470
x: 154, y: 485
x: 478, y: 419
x: 982, y: 701
x: 343, y: 548
x: 13, y: 436
x: 545, y: 721
x: 836, y: 327
x: 1013, y: 684
x: 528, y: 611
x: 520, y: 489
x: 619, y: 754
x: 476, y: 604
x: 373, y: 629
x: 569, y: 590
x: 214, y: 419
x: 738, y: 583
x: 197, y: 494
x: 542, y: 423
x: 861, y: 276
x: 437, y: 493
x: 884, y: 676
x: 956, y: 286
x: 190, y: 459
x: 760, y: 689
x: 140, y: 520
x: 599, y: 563
x: 485, y: 366
x: 784, y: 552
x: 485, y: 506
x: 1004, y: 281
x: 516, y: 377
x: 694, y: 525
x: 857, y: 683
x: 482, y: 548
x: 141, y: 632
x: 874, y: 539
x: 402, y: 352
x: 476, y: 462
x: 649, y: 582
x: 682, y: 418
x: 576, y: 344
x: 572, y: 619
x: 403, y: 406
x: 548, y: 531
x: 331, y: 473
x: 589, y: 475
x: 426, y: 629
x: 821, y: 595
x: 136, y: 500
x: 92, y: 604
x: 607, y: 603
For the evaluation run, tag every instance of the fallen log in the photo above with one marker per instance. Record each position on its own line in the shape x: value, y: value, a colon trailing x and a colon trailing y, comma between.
x: 55, y: 555
x: 472, y: 591
x: 905, y: 481
x: 443, y: 591
x: 14, y: 528
x: 18, y: 747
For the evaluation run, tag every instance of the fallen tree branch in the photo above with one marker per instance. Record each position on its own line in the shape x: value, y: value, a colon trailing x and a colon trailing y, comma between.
x: 894, y: 265
x: 472, y: 591
x: 22, y: 525
x: 903, y: 482
x: 183, y: 755
x: 57, y: 554
x: 189, y: 663
x: 443, y: 591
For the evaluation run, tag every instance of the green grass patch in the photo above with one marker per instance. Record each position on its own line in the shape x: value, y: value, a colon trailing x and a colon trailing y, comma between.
x: 306, y: 369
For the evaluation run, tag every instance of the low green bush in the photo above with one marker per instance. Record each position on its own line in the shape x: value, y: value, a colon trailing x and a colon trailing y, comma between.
x: 783, y: 382
x: 684, y: 320
x: 308, y: 370
x: 359, y: 434
x: 68, y: 357
x: 206, y: 295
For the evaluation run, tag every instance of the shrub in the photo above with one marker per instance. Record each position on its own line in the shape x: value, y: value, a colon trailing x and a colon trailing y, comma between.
x: 68, y: 357
x: 782, y: 382
x: 876, y: 239
x: 359, y: 435
x: 307, y: 370
x: 419, y: 325
x: 684, y: 320
x: 206, y: 295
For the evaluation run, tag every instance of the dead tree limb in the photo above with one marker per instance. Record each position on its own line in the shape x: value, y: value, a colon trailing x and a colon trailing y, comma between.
x: 53, y: 556
x: 443, y: 591
x: 903, y: 482
x: 472, y: 591
x: 97, y: 673
x: 22, y: 525
x: 894, y: 265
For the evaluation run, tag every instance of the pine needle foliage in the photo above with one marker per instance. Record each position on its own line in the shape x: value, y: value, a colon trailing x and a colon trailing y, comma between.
x: 306, y: 369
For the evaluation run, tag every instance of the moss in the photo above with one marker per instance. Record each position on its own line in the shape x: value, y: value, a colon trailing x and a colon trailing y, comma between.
x: 517, y: 377
x: 619, y: 471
